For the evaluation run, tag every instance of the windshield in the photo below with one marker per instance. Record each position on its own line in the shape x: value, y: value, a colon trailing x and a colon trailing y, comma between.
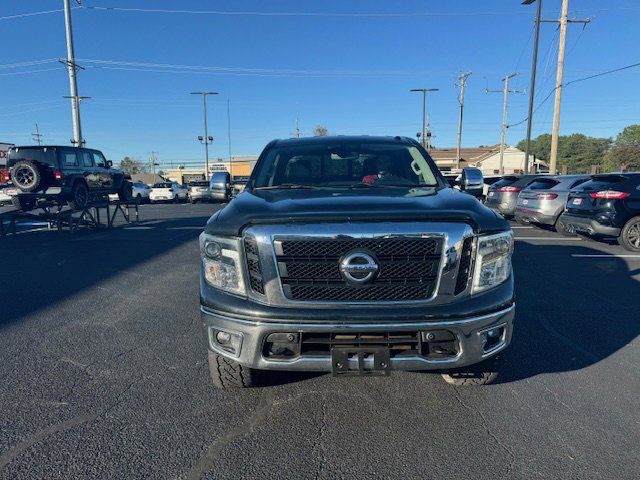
x: 199, y: 184
x: 360, y: 165
x: 162, y: 185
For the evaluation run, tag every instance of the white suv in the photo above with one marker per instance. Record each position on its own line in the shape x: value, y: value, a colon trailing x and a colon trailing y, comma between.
x: 167, y: 192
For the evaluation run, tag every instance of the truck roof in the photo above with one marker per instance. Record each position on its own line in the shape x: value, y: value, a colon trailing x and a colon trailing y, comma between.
x: 343, y: 139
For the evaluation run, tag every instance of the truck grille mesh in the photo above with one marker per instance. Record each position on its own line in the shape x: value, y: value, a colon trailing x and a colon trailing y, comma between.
x: 408, y: 269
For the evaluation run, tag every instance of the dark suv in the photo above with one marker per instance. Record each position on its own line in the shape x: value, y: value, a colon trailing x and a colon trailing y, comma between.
x: 608, y: 206
x: 62, y: 174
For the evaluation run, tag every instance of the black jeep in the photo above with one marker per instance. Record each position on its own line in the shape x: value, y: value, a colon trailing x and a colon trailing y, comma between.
x: 62, y: 174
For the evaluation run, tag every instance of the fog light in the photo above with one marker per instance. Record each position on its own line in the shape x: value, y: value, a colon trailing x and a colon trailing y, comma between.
x: 223, y: 337
x: 492, y: 338
x: 494, y: 333
x: 229, y: 342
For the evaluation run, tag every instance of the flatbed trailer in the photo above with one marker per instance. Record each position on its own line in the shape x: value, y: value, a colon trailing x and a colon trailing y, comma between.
x: 100, y: 214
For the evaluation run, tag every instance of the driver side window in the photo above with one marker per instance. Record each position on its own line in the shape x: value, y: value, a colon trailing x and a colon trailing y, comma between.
x: 99, y: 160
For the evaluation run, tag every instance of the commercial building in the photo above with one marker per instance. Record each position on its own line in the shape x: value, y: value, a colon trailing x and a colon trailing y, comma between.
x: 4, y: 153
x: 239, y: 167
x: 487, y: 159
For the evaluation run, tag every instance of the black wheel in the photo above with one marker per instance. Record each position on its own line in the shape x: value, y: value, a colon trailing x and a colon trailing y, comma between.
x: 562, y: 230
x: 79, y: 196
x: 23, y: 204
x: 26, y: 176
x: 482, y: 373
x: 630, y: 235
x: 125, y: 194
x: 227, y: 374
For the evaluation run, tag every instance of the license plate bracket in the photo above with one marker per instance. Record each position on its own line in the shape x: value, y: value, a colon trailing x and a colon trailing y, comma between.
x: 360, y: 361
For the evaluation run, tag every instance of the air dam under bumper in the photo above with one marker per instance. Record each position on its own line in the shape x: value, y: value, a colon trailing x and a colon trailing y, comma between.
x: 470, y: 334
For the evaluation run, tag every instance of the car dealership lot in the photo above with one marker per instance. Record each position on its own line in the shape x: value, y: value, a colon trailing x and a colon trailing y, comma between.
x: 104, y: 373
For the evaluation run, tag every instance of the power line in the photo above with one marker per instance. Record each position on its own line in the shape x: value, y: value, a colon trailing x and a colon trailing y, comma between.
x: 577, y: 80
x: 31, y: 14
x: 240, y: 70
x: 28, y: 72
x: 300, y: 14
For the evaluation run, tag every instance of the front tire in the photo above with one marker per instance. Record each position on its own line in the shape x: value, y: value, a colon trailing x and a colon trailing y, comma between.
x: 227, y: 374
x: 483, y: 373
x: 630, y: 235
x: 79, y: 196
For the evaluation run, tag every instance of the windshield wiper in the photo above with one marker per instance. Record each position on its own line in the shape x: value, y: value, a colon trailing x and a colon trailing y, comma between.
x: 286, y: 186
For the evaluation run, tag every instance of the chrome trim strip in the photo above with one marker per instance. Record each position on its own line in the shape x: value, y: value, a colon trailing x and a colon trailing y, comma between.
x: 364, y: 326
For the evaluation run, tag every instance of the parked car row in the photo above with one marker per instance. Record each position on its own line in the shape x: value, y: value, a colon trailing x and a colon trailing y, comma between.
x: 606, y: 205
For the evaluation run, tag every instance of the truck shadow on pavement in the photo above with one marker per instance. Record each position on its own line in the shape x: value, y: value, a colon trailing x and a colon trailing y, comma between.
x: 571, y: 311
x: 42, y: 268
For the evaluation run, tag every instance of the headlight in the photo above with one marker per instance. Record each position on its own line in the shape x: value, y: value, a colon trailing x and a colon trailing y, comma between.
x: 493, y: 261
x: 221, y: 263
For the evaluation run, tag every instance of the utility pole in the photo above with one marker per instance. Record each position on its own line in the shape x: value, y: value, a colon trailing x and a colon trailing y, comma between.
x: 206, y: 140
x: 37, y: 137
x: 297, y: 134
x: 72, y: 68
x: 463, y: 83
x: 229, y: 132
x: 532, y: 86
x: 505, y: 91
x: 153, y: 158
x: 426, y: 133
x: 553, y: 156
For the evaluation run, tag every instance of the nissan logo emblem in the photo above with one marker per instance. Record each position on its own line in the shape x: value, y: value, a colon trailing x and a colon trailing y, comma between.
x: 358, y: 267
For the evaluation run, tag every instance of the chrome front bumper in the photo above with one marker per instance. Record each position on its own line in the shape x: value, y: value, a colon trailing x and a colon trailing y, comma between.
x: 470, y: 333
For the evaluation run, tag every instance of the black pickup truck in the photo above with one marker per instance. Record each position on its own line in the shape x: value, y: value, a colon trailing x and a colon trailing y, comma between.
x: 62, y: 174
x: 353, y: 255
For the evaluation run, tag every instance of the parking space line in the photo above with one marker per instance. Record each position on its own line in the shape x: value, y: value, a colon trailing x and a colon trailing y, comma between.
x: 520, y: 226
x: 550, y: 239
x: 185, y: 228
x: 577, y: 255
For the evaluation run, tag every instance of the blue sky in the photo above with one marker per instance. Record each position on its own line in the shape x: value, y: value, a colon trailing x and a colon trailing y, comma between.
x: 349, y: 73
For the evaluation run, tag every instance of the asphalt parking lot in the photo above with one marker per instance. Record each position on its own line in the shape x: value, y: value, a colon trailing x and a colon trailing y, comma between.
x: 104, y: 374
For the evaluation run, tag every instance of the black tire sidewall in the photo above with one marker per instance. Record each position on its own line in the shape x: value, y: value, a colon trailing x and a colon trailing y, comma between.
x: 73, y: 203
x: 36, y: 173
x: 624, y: 235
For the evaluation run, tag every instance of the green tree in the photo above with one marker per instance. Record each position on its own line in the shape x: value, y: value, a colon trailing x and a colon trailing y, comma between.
x: 130, y: 166
x: 577, y: 151
x: 625, y: 153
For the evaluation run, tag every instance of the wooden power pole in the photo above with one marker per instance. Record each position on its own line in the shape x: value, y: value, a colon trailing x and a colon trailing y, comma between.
x: 505, y: 102
x: 553, y: 156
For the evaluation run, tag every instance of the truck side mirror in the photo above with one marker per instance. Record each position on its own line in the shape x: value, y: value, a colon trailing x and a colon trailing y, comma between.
x: 472, y: 182
x: 109, y: 164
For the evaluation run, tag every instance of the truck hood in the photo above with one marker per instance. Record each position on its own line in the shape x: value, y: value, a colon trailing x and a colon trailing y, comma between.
x: 353, y: 205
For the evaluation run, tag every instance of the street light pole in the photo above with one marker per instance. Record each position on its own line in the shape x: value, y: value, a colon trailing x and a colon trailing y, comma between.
x: 426, y: 142
x: 532, y: 87
x: 207, y: 138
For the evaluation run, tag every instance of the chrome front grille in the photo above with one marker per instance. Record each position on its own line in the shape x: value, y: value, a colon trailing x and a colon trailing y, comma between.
x: 418, y: 263
x: 408, y: 268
